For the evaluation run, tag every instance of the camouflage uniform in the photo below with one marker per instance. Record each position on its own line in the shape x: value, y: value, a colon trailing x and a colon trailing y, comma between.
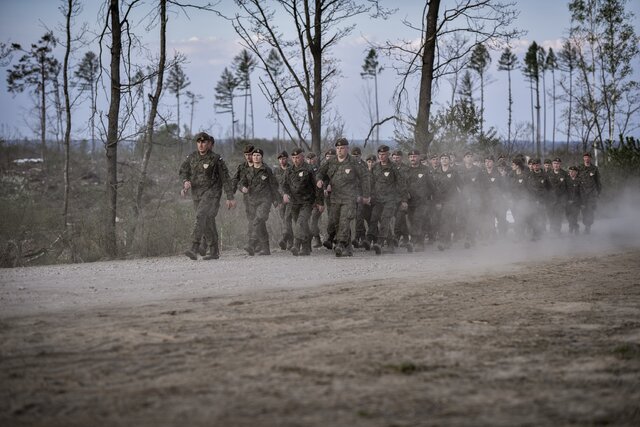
x: 538, y: 190
x: 591, y: 188
x: 447, y: 186
x: 519, y: 201
x: 401, y: 228
x: 243, y: 169
x: 493, y: 207
x: 574, y: 200
x: 208, y: 175
x: 420, y: 188
x: 284, y: 211
x: 263, y: 191
x: 471, y: 202
x: 556, y: 204
x: 388, y: 189
x: 347, y: 184
x: 299, y: 184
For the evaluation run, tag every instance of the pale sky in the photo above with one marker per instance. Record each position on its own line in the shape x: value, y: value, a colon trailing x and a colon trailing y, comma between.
x: 209, y: 43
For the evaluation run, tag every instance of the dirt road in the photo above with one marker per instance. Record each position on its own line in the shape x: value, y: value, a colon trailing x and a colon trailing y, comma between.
x: 544, y: 333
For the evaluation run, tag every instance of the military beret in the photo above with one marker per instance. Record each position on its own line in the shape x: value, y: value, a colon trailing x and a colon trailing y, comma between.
x: 501, y: 156
x: 311, y: 155
x: 557, y: 159
x: 371, y: 158
x: 340, y: 142
x: 331, y: 151
x: 258, y: 150
x: 383, y: 149
x: 433, y: 156
x: 447, y: 155
x: 573, y: 168
x: 501, y: 164
x: 248, y: 149
x: 535, y: 161
x: 530, y: 161
x: 468, y: 153
x: 398, y: 153
x: 355, y: 151
x: 587, y: 154
x: 203, y: 136
x: 547, y: 161
x: 283, y: 154
x: 414, y: 153
x: 489, y: 157
x: 297, y: 151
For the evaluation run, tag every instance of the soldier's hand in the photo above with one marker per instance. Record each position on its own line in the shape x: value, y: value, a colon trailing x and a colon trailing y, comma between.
x: 186, y: 186
x: 319, y: 184
x: 183, y: 193
x: 244, y: 190
x: 285, y: 198
x: 366, y: 200
x: 404, y: 206
x: 230, y: 204
x: 320, y: 208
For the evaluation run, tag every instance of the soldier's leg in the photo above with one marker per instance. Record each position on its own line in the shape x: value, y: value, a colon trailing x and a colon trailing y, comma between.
x: 415, y: 216
x: 315, y: 228
x: 588, y: 212
x: 303, y: 231
x: 376, y: 215
x: 385, y: 230
x: 447, y: 216
x: 250, y: 210
x: 197, y: 231
x: 360, y: 228
x: 333, y: 216
x: 346, y: 212
x: 260, y: 221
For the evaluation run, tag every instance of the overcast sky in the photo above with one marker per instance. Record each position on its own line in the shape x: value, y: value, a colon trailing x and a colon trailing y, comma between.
x: 209, y: 43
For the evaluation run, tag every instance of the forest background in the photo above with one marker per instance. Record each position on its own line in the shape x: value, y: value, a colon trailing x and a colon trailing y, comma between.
x: 102, y: 100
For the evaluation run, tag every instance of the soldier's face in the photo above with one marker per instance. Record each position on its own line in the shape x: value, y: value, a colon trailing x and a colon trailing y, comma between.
x: 414, y: 159
x: 396, y: 158
x: 488, y: 163
x: 297, y: 160
x: 434, y: 162
x: 248, y: 157
x: 587, y: 160
x: 573, y: 173
x: 283, y: 161
x: 468, y: 159
x: 203, y: 146
x: 311, y: 160
x: 341, y: 151
x: 555, y: 166
x: 444, y: 161
x: 383, y: 156
x: 535, y: 167
x: 257, y: 158
x: 370, y: 163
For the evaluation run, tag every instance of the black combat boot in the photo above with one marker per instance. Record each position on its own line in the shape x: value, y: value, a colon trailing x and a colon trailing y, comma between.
x: 193, y: 252
x: 339, y: 249
x: 283, y: 244
x: 295, y: 248
x: 365, y: 244
x: 214, y: 253
x: 264, y: 249
x: 328, y: 244
x: 316, y: 241
x: 202, y: 249
x: 305, y: 249
x: 250, y: 248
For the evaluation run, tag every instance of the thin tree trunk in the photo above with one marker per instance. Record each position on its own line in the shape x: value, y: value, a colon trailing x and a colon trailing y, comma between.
x: 150, y: 125
x: 244, y: 125
x: 251, y: 112
x: 533, y: 126
x: 544, y: 113
x: 510, y: 108
x: 538, y: 145
x: 316, y: 52
x: 570, y: 105
x: 111, y: 247
x: 422, y: 132
x: 375, y: 81
x: 67, y: 105
x: 553, y: 131
x: 43, y: 116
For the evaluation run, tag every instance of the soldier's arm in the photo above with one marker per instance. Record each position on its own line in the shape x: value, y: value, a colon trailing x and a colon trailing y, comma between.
x: 185, y: 170
x: 227, y: 184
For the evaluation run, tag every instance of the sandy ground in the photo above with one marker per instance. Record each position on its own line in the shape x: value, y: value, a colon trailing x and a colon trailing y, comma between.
x: 544, y: 333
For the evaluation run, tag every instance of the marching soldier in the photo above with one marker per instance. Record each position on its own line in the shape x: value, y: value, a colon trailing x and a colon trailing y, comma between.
x: 574, y: 199
x: 284, y: 211
x: 556, y: 208
x: 447, y: 187
x: 591, y: 188
x: 420, y: 188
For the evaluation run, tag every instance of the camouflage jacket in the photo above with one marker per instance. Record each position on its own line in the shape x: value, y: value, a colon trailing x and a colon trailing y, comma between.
x: 538, y: 186
x: 518, y: 185
x: 388, y: 184
x: 558, y: 184
x: 590, y: 177
x: 419, y: 185
x: 262, y: 185
x: 300, y: 184
x: 208, y: 172
x: 279, y: 174
x: 242, y: 169
x: 447, y: 185
x: 348, y: 180
x: 574, y: 191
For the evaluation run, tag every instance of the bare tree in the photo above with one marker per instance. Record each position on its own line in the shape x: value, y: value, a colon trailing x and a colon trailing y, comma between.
x: 177, y: 81
x: 225, y: 94
x: 192, y: 100
x: 370, y: 69
x: 487, y: 21
x: 305, y: 52
x: 568, y: 62
x: 508, y: 62
x: 87, y: 76
x: 480, y: 61
x: 244, y: 64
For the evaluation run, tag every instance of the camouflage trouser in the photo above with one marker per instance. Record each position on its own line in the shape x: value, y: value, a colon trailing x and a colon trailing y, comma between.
x: 284, y: 211
x: 400, y: 229
x: 536, y: 218
x: 520, y: 210
x: 360, y: 228
x: 341, y: 215
x: 315, y: 219
x: 445, y: 213
x: 205, y: 222
x: 429, y: 221
x: 495, y: 212
x: 300, y: 215
x: 416, y: 215
x: 382, y: 215
x: 573, y: 210
x: 258, y: 225
x: 556, y: 211
x: 588, y: 210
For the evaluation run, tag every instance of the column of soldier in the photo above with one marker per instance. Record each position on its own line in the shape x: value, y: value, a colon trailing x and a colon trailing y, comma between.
x: 388, y: 203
